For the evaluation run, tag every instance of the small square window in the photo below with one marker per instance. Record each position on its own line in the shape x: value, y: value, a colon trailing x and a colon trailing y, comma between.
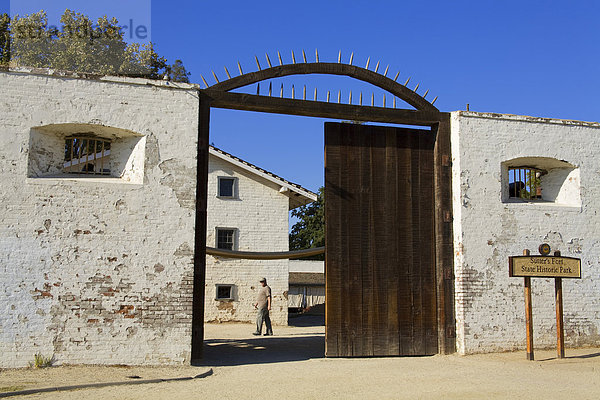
x: 226, y: 238
x: 224, y: 292
x: 226, y: 187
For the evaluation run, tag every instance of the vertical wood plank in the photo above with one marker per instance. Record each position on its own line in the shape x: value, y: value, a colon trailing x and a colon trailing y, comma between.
x: 332, y: 240
x: 415, y: 281
x: 427, y: 227
x: 347, y: 301
x: 378, y: 240
x: 352, y: 278
x: 444, y: 257
x: 366, y: 226
x: 404, y: 254
x: 391, y: 206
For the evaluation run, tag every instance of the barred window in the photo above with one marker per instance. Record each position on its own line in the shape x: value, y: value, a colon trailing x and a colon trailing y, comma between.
x: 84, y: 155
x: 524, y: 183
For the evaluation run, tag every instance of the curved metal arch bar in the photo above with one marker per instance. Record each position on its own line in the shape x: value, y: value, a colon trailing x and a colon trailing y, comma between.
x: 251, y: 255
x: 351, y: 71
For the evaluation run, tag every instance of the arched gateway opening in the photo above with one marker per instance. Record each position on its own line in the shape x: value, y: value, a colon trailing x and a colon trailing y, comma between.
x: 389, y: 251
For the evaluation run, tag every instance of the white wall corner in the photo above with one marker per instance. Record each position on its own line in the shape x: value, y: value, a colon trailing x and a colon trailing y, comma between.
x: 457, y: 204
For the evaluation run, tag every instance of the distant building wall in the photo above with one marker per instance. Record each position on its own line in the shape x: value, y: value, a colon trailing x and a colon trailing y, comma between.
x: 259, y: 214
x: 307, y: 266
x: 96, y: 270
x: 489, y: 227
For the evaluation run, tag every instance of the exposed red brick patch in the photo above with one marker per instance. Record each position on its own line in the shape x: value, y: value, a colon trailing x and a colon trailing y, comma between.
x: 125, y: 309
x: 40, y: 294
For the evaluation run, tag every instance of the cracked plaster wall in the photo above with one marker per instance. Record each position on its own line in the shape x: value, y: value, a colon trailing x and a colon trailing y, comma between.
x: 490, y: 311
x: 96, y: 271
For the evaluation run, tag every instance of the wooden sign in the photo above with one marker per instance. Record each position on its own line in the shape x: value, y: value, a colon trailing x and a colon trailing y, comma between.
x: 545, y: 267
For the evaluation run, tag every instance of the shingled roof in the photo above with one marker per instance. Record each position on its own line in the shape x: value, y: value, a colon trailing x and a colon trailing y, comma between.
x: 297, y: 194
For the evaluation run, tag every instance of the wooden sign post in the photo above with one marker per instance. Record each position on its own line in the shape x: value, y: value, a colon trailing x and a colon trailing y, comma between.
x: 544, y: 266
x: 560, y: 332
x: 528, y: 314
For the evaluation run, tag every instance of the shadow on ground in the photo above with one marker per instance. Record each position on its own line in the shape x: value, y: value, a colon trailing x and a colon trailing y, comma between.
x: 307, y: 320
x: 592, y: 355
x: 582, y: 356
x: 262, y: 350
x: 270, y: 349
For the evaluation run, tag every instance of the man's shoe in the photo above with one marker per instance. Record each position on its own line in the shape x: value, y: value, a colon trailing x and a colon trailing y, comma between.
x: 256, y: 333
x: 268, y: 334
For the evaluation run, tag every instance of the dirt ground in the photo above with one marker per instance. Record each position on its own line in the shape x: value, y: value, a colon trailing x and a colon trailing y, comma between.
x: 290, y: 365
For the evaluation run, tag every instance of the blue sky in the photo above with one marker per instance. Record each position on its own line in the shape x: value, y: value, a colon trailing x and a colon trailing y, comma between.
x: 134, y: 15
x: 521, y: 57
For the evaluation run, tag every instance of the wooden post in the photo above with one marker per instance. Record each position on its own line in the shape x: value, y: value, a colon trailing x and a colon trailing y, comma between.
x: 560, y: 331
x: 528, y: 314
x: 200, y: 231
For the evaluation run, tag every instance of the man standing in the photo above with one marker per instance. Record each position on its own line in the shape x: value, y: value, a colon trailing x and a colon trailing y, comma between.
x: 263, y: 304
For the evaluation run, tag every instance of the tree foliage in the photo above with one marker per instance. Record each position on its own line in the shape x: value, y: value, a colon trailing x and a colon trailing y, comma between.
x: 309, y: 231
x: 4, y: 39
x: 81, y: 45
x: 177, y: 72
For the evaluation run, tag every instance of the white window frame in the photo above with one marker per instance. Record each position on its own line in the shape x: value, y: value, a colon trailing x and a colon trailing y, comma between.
x: 220, y: 285
x: 234, y: 188
x: 234, y: 245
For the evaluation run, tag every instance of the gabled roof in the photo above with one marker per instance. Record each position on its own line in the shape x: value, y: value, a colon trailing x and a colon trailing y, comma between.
x: 298, y: 195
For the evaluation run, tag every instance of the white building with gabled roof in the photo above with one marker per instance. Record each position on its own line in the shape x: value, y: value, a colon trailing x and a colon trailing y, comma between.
x: 248, y: 210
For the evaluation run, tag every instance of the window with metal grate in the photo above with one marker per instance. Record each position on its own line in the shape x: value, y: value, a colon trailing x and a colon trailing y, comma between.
x: 85, y: 155
x: 524, y: 183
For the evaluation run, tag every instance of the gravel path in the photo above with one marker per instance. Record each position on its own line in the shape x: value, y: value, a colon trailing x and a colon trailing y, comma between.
x: 290, y: 365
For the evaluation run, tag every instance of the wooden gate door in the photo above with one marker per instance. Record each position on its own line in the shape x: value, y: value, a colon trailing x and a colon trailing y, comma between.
x: 380, y: 254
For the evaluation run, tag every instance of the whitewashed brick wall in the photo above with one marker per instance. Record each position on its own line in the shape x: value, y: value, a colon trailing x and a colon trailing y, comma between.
x: 260, y: 215
x: 100, y: 270
x: 490, y: 311
x: 97, y: 271
x: 307, y: 266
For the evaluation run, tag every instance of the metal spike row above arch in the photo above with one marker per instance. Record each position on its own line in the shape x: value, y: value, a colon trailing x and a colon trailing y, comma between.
x: 373, y: 77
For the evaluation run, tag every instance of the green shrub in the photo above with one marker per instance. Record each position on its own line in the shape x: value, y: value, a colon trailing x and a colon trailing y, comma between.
x: 39, y: 361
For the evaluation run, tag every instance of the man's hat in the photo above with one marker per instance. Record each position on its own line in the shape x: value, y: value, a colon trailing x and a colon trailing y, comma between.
x: 263, y: 279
